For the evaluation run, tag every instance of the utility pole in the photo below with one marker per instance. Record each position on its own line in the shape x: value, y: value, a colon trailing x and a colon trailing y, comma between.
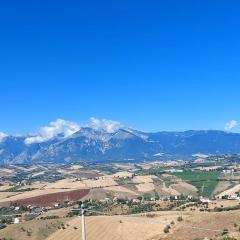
x: 83, y: 223
x: 83, y: 211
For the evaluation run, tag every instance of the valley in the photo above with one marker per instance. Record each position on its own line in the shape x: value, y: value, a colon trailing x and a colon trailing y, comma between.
x: 141, y: 199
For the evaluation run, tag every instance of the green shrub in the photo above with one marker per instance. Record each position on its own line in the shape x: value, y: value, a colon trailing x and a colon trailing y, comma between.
x: 180, y: 218
x: 225, y: 231
x: 229, y: 238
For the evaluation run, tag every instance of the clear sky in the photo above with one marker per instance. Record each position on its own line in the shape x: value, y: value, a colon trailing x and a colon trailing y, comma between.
x: 153, y: 65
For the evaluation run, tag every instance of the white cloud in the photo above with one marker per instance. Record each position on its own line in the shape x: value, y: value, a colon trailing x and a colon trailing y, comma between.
x: 231, y: 125
x: 60, y: 126
x: 104, y: 124
x: 2, y: 136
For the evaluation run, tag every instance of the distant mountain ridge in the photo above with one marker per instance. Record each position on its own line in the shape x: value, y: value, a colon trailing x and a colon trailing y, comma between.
x: 124, y: 144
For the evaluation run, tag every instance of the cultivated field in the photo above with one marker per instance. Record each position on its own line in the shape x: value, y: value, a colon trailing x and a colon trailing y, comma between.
x: 204, y: 181
x: 230, y: 191
x: 117, y: 227
x: 127, y: 190
x: 205, y: 226
x: 50, y: 199
x: 36, y: 229
x: 185, y: 188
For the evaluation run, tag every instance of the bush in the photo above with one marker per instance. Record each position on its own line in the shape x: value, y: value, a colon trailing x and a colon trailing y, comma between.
x: 229, y: 238
x: 225, y: 231
x: 166, y: 229
x: 29, y: 232
x: 180, y: 218
x: 150, y: 215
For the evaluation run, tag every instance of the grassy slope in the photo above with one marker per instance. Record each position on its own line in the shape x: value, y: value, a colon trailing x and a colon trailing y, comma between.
x: 35, y: 229
x: 205, y: 182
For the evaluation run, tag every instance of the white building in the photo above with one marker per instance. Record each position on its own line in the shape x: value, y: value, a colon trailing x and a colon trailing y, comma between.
x: 204, y: 199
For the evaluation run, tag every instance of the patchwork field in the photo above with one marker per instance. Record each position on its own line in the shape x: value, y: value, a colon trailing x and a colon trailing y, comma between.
x: 124, y: 184
x: 122, y: 192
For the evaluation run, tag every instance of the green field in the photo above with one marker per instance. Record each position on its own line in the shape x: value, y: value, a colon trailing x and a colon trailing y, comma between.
x: 205, y: 182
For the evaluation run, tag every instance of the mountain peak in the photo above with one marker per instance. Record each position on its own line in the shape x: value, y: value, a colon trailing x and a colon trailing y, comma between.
x: 102, y: 140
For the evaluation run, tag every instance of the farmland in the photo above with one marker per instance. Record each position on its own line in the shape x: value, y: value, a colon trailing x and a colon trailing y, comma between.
x: 35, y: 229
x: 204, y: 181
x: 51, y: 198
x: 117, y: 227
x: 141, y: 199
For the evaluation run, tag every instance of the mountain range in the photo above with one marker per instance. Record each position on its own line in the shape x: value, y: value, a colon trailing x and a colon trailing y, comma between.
x: 92, y: 144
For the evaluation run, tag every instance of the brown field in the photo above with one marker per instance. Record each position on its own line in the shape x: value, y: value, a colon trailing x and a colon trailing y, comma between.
x: 104, y: 181
x: 202, y: 225
x: 115, y: 191
x: 28, y: 194
x: 121, y: 174
x: 169, y: 190
x: 223, y: 203
x: 5, y: 187
x: 195, y: 225
x: 221, y: 187
x: 5, y: 195
x: 52, y: 198
x: 185, y: 188
x: 144, y: 179
x: 97, y: 193
x: 230, y: 191
x: 40, y: 229
x: 117, y: 227
x: 36, y: 185
x: 145, y: 187
x: 119, y: 189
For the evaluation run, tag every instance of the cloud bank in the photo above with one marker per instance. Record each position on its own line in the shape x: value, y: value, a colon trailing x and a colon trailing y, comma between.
x: 231, y: 125
x: 109, y: 126
x: 58, y: 127
x: 66, y: 128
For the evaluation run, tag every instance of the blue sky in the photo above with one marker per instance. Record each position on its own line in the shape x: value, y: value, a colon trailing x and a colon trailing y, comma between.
x: 152, y: 65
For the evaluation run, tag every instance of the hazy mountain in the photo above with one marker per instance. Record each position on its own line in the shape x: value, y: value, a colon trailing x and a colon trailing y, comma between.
x: 91, y: 144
